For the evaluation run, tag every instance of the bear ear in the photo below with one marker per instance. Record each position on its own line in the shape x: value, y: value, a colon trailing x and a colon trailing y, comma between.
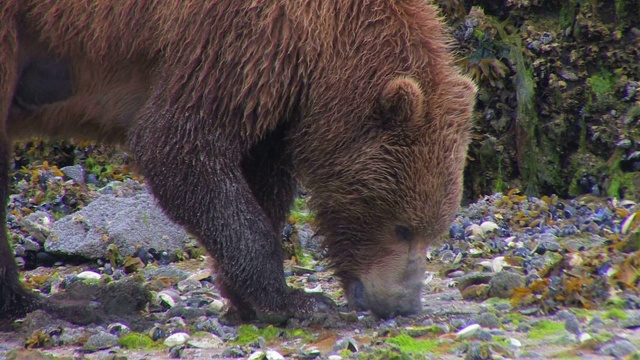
x: 401, y: 102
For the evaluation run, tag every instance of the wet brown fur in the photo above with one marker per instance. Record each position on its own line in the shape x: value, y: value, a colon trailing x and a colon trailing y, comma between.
x: 223, y: 102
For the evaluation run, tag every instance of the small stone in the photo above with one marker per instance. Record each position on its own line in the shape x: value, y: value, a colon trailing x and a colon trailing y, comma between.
x: 38, y: 225
x: 568, y: 75
x: 447, y: 256
x: 334, y: 357
x: 188, y: 285
x: 314, y: 290
x: 31, y: 245
x: 216, y: 305
x: 632, y: 322
x: 175, y: 352
x: 584, y: 337
x: 487, y: 320
x: 515, y: 342
x: 347, y: 343
x: 468, y: 331
x: 474, y: 229
x: 205, y: 341
x: 503, y: 283
x: 258, y: 355
x: 75, y: 173
x: 571, y: 322
x: 618, y: 349
x: 498, y: 263
x: 166, y: 299
x: 488, y: 227
x: 455, y: 274
x: 234, y: 352
x: 88, y: 275
x: 624, y: 144
x: 534, y: 45
x: 118, y: 329
x: 546, y: 38
x: 473, y: 279
x: 100, y: 341
x: 176, y: 339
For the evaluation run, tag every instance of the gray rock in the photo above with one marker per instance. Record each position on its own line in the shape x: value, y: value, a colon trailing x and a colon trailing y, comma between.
x: 188, y: 285
x: 73, y: 336
x: 19, y: 250
x: 568, y: 75
x: 503, y: 283
x: 164, y: 271
x: 474, y: 278
x: 308, y: 239
x: 618, y: 348
x: 75, y: 173
x: 633, y: 321
x: 571, y: 322
x: 38, y: 225
x: 487, y: 320
x: 127, y: 222
x: 31, y: 245
x: 100, y: 341
x: 624, y: 144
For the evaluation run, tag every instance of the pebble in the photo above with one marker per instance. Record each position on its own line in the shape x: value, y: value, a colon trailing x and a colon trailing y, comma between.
x: 75, y: 173
x: 176, y: 339
x: 488, y: 227
x: 118, y: 329
x: 571, y: 322
x: 633, y: 321
x: 584, y: 337
x: 100, y: 341
x: 568, y: 75
x: 618, y: 348
x: 347, y: 343
x: 503, y: 283
x: 188, y: 285
x: 216, y: 306
x: 314, y: 290
x: 334, y: 357
x: 88, y: 275
x: 268, y: 355
x: 205, y: 341
x: 487, y: 320
x: 474, y: 230
x: 468, y: 331
x: 515, y: 342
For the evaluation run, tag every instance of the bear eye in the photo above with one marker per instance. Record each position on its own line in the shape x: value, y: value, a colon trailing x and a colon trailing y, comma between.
x: 403, y: 233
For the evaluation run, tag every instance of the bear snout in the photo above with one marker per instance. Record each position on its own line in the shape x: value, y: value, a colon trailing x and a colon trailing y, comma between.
x: 388, y: 292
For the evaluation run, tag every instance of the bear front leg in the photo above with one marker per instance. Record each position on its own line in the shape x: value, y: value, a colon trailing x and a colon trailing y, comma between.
x: 195, y: 173
x: 268, y: 169
x: 15, y: 300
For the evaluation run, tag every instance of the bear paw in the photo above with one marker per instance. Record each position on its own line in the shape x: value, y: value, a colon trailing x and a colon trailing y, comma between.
x: 313, y: 308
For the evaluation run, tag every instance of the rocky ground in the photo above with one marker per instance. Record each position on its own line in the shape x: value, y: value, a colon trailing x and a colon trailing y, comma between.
x: 516, y: 277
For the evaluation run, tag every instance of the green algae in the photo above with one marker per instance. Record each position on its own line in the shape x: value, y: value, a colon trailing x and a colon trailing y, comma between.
x: 408, y: 345
x: 546, y: 328
x: 300, y: 212
x: 137, y: 341
x: 250, y: 334
x: 614, y: 313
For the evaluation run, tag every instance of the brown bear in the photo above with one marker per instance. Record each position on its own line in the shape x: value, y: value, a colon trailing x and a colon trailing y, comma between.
x: 225, y: 104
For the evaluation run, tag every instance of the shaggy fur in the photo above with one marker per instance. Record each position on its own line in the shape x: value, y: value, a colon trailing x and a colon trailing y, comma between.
x: 223, y: 102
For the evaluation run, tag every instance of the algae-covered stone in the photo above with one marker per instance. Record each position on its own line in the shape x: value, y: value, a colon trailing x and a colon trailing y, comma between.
x: 503, y: 283
x: 100, y: 341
